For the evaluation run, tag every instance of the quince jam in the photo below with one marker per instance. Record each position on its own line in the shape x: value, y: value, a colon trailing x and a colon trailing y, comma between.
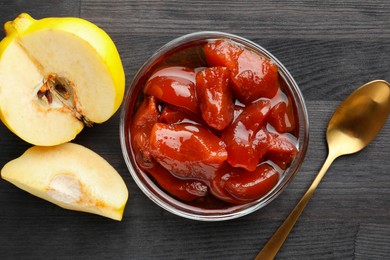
x: 214, y: 124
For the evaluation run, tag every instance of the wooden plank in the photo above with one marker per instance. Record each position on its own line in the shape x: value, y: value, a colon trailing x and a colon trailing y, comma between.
x: 39, y: 9
x: 270, y: 19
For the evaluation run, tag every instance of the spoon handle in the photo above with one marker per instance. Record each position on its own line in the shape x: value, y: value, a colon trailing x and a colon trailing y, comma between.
x: 273, y: 245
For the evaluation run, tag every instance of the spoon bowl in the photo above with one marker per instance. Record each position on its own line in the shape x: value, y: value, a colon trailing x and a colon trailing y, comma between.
x: 355, y: 123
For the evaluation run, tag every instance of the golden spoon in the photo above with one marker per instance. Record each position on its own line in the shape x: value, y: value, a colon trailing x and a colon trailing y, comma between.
x: 355, y: 123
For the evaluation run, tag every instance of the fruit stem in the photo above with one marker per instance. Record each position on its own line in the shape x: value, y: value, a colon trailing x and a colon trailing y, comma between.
x: 19, y: 25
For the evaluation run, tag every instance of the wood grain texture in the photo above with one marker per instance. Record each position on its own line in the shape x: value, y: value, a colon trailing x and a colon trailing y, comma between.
x: 373, y: 241
x: 330, y: 48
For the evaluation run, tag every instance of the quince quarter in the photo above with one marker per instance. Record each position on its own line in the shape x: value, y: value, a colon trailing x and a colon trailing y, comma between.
x: 70, y: 176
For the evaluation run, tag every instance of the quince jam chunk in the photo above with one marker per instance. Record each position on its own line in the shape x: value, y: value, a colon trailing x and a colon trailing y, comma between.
x: 253, y: 75
x: 218, y: 134
x: 282, y: 117
x: 142, y: 124
x: 186, y: 150
x: 245, y: 140
x: 175, y: 86
x: 186, y: 190
x: 215, y: 97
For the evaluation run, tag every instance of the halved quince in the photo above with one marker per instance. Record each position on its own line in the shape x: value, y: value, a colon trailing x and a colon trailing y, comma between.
x: 57, y: 75
x: 70, y: 176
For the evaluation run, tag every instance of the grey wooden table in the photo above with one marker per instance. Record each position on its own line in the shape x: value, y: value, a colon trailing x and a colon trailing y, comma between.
x: 330, y: 48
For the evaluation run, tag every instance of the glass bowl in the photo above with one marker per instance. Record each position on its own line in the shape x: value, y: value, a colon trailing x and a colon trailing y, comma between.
x: 149, y: 187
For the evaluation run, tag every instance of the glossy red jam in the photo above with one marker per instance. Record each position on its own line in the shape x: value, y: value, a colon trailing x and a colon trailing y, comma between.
x: 214, y: 125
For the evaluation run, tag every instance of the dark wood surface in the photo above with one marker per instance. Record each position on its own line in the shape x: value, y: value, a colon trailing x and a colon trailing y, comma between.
x: 330, y: 48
